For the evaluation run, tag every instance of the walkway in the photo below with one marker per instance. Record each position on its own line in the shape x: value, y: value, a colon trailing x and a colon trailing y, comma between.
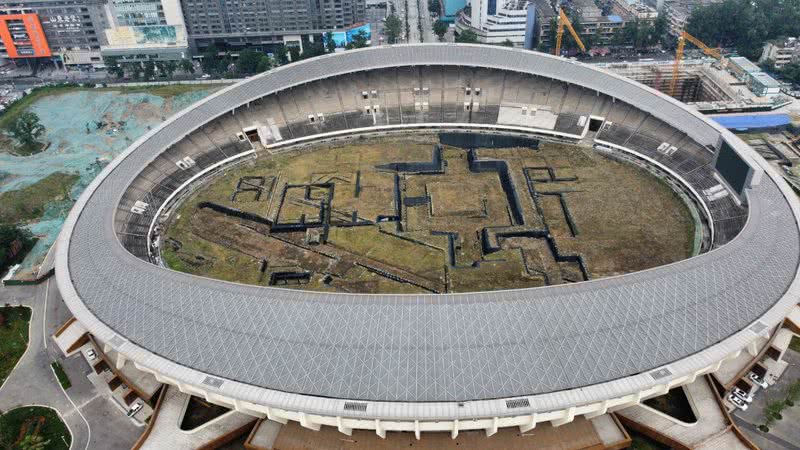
x: 93, y: 421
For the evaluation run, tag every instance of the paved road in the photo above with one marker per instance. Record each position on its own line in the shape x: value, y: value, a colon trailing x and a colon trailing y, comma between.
x: 784, y: 434
x: 92, y: 419
x: 412, y: 15
x: 426, y: 21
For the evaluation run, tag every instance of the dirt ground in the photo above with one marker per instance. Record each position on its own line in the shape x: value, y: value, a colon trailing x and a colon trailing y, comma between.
x: 441, y: 238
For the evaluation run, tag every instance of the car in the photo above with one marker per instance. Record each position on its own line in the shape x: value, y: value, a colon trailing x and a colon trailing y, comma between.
x: 205, y: 76
x: 91, y: 354
x: 737, y: 402
x: 742, y: 394
x: 757, y: 380
x: 134, y: 409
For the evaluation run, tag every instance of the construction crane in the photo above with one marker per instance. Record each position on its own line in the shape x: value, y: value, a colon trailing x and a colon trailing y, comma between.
x: 564, y: 20
x: 679, y: 56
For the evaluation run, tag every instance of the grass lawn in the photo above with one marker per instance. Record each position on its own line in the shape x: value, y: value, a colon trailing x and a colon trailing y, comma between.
x: 29, y: 203
x: 29, y: 420
x: 165, y: 91
x: 13, y: 338
x: 794, y: 344
x: 63, y: 379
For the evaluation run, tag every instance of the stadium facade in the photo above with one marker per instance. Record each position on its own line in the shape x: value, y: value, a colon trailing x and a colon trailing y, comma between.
x: 421, y: 363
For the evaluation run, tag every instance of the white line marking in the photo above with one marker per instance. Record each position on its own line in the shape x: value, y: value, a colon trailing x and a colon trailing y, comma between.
x: 88, y: 427
x: 44, y: 314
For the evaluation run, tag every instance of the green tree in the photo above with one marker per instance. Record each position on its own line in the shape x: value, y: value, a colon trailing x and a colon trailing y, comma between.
x: 294, y: 53
x: 186, y: 66
x: 169, y: 68
x: 15, y: 242
x: 248, y: 61
x: 210, y: 60
x: 467, y: 37
x: 392, y: 28
x: 149, y: 70
x: 27, y: 130
x: 312, y: 49
x: 506, y: 43
x: 359, y: 41
x: 434, y: 6
x: 744, y: 24
x: 330, y: 44
x: 31, y: 442
x: 113, y: 67
x: 264, y: 64
x: 772, y: 412
x: 440, y: 29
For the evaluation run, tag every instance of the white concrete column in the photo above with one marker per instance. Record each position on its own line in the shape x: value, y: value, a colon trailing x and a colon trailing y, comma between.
x: 275, y: 418
x: 569, y: 416
x: 379, y: 429
x: 493, y: 428
x: 343, y: 429
x: 120, y: 360
x: 529, y: 425
x: 600, y: 411
x: 454, y: 433
x: 752, y: 349
x: 305, y: 422
x: 416, y: 429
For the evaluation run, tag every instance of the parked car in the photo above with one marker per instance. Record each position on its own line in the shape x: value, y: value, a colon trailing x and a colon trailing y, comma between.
x: 742, y: 394
x: 138, y: 405
x: 757, y: 380
x: 91, y: 354
x: 739, y: 403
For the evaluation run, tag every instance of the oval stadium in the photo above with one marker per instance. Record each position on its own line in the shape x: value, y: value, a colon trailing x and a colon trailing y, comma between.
x: 442, y: 148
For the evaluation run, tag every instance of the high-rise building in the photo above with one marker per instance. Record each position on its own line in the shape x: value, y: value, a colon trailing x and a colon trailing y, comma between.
x: 496, y: 21
x: 266, y: 23
x: 146, y: 30
x: 68, y: 32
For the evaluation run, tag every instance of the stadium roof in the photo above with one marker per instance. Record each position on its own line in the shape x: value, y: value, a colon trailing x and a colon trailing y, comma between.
x: 561, y: 345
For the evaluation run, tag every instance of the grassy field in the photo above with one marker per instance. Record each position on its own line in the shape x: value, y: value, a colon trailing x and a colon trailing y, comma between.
x: 35, y: 420
x: 29, y: 203
x: 616, y: 231
x: 63, y: 378
x: 165, y: 91
x: 13, y: 338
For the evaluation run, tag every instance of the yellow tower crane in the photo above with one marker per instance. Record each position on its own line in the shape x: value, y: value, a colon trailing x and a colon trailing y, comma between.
x: 564, y: 20
x: 679, y: 56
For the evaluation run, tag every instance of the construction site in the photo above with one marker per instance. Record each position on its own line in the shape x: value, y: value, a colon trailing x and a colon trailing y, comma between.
x: 439, y: 213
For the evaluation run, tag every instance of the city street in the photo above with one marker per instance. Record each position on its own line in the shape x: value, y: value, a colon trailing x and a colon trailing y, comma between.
x: 427, y: 22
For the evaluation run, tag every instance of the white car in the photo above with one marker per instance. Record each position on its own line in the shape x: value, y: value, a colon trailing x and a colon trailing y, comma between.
x: 91, y: 354
x: 737, y: 402
x: 134, y: 409
x: 742, y: 394
x: 757, y: 380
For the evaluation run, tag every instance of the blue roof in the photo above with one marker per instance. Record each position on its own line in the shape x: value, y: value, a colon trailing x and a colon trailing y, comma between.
x: 615, y: 18
x: 753, y: 121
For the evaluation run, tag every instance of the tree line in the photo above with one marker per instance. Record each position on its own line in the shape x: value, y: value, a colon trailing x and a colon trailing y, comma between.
x: 745, y: 24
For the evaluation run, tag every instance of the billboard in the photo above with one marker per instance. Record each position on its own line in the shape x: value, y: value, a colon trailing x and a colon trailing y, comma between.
x: 733, y: 169
x: 23, y: 36
x: 342, y: 38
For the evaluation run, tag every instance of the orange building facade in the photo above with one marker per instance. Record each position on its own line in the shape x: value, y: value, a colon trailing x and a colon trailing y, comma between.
x: 23, y: 37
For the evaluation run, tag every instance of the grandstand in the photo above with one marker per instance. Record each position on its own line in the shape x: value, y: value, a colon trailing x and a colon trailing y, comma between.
x: 432, y: 363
